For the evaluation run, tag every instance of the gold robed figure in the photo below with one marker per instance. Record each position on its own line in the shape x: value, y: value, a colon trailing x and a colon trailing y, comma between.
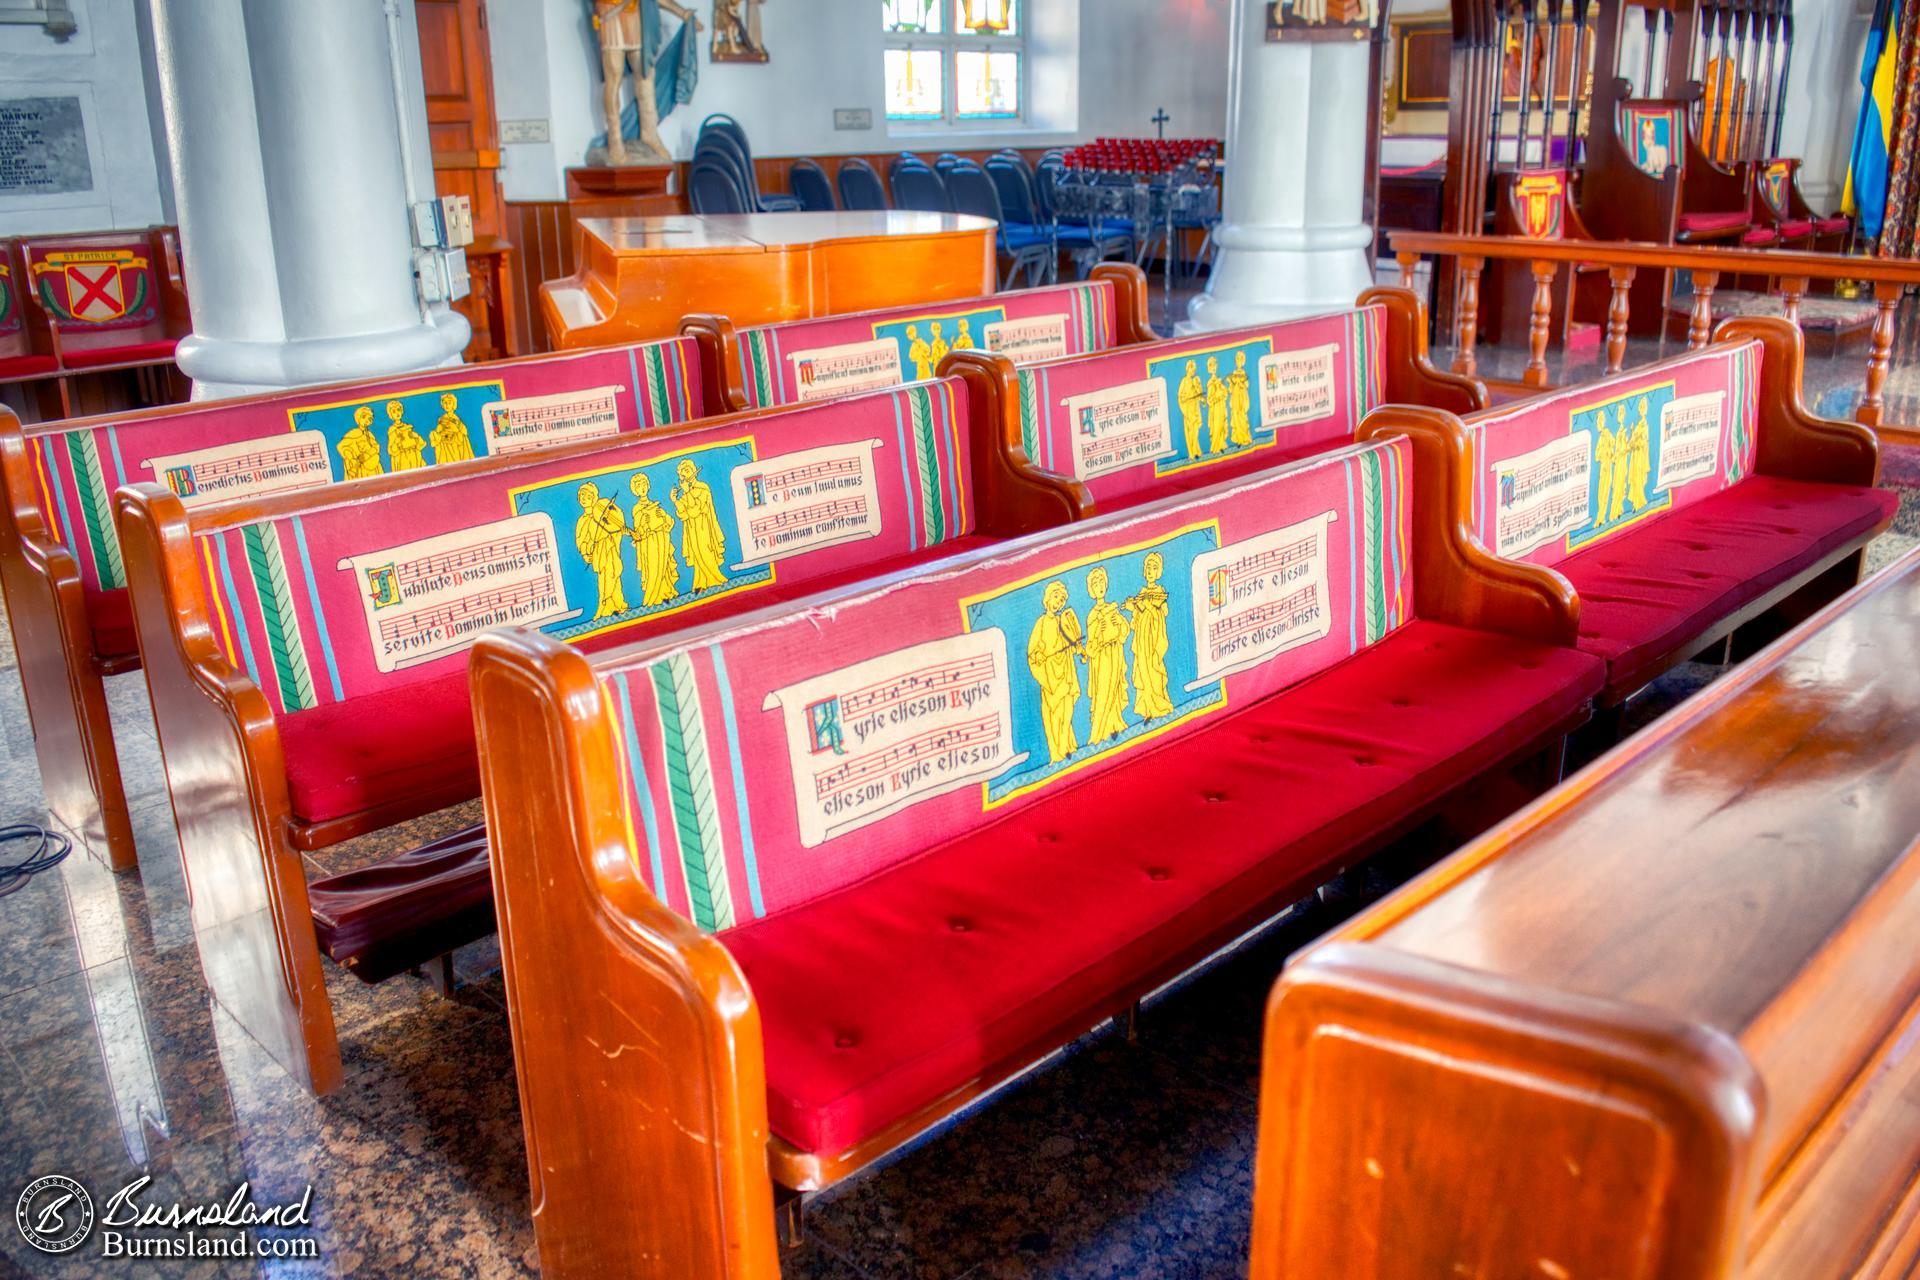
x: 1148, y: 608
x: 1193, y: 394
x: 407, y: 447
x: 1622, y: 444
x: 1051, y: 649
x: 360, y: 449
x: 1216, y: 407
x: 450, y: 440
x: 1105, y: 652
x: 919, y: 354
x: 1603, y: 454
x: 937, y: 352
x: 597, y: 534
x: 702, y: 545
x: 1239, y: 403
x: 652, y: 547
x: 1639, y: 461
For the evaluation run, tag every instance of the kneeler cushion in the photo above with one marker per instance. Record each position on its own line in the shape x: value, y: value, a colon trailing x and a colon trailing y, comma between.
x: 1714, y: 220
x: 347, y: 757
x: 884, y: 996
x: 1646, y: 591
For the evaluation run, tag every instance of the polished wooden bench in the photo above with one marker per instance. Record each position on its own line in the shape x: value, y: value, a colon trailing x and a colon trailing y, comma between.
x: 1661, y: 1024
x: 1682, y: 501
x: 1137, y: 423
x: 802, y: 360
x: 61, y: 565
x: 780, y: 894
x: 305, y: 652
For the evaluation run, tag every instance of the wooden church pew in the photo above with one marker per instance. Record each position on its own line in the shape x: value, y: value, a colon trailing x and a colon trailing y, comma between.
x: 780, y: 894
x: 55, y: 526
x: 802, y: 360
x: 1734, y: 501
x: 420, y: 904
x: 60, y: 560
x: 1660, y: 1024
x: 305, y: 652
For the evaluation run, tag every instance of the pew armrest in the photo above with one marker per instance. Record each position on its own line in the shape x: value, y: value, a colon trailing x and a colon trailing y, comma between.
x: 1636, y: 1119
x: 1455, y: 579
x: 1790, y: 441
x: 1410, y: 377
x: 1013, y: 494
x: 1132, y: 304
x: 720, y: 374
x: 220, y: 747
x: 635, y: 1038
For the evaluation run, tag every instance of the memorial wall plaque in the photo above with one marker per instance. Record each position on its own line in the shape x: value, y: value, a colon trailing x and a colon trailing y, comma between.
x: 43, y: 147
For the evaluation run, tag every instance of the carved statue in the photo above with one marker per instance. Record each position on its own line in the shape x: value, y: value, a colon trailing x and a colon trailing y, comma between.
x: 736, y: 31
x: 664, y: 71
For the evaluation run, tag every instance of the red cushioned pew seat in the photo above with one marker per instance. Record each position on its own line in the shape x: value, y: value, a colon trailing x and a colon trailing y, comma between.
x: 1644, y: 594
x: 1721, y: 220
x: 1679, y: 501
x: 911, y: 983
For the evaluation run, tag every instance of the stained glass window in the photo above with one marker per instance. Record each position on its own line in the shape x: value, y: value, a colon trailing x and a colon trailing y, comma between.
x: 954, y: 62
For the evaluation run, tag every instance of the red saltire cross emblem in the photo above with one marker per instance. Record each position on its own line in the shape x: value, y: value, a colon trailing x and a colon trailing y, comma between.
x: 94, y: 289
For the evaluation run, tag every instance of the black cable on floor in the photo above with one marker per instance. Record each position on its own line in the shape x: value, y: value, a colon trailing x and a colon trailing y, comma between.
x: 49, y: 849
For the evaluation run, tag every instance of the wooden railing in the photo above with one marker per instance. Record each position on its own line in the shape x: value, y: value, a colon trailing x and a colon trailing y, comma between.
x: 1792, y: 272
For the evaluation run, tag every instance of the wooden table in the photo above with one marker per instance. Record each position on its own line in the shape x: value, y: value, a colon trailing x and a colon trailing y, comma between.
x: 1666, y: 1022
x: 639, y: 276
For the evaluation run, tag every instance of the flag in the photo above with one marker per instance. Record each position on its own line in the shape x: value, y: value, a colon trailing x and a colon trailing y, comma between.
x: 1865, y: 196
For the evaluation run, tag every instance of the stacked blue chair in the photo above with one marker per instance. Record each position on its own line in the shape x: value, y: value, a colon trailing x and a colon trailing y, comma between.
x: 860, y: 186
x: 722, y: 137
x: 808, y: 182
x: 1024, y: 245
x: 916, y: 186
x: 1014, y: 183
x: 713, y: 187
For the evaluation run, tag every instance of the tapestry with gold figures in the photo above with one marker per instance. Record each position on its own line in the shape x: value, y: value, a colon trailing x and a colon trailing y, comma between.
x: 223, y: 450
x: 769, y: 764
x: 1566, y: 471
x: 636, y: 537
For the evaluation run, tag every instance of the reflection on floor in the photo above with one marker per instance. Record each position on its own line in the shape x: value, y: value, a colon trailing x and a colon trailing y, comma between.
x: 1117, y: 1160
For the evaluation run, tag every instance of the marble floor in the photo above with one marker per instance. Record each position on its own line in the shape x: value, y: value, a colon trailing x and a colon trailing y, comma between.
x: 1117, y: 1159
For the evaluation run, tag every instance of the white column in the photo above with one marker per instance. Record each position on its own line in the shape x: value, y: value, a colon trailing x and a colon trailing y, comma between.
x: 1291, y: 241
x: 292, y: 190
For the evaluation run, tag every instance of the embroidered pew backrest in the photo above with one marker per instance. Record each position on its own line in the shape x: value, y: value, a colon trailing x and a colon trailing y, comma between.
x: 101, y: 292
x: 767, y: 764
x: 1127, y: 420
x: 1557, y: 475
x: 357, y: 596
x: 262, y: 445
x: 812, y: 359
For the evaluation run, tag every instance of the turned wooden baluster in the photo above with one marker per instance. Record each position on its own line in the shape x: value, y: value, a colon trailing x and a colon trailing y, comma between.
x: 1879, y: 354
x: 1408, y: 261
x: 1542, y: 322
x: 1467, y: 323
x: 1617, y: 316
x: 1700, y: 322
x: 1792, y: 289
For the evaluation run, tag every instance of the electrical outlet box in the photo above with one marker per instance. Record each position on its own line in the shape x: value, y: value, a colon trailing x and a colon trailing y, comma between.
x: 430, y: 275
x: 456, y: 221
x: 429, y: 230
x: 459, y: 283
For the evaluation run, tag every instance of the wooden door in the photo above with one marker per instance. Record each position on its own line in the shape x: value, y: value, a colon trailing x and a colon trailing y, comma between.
x: 458, y: 69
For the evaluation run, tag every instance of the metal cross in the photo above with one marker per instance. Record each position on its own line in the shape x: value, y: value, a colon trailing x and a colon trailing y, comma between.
x: 1160, y: 118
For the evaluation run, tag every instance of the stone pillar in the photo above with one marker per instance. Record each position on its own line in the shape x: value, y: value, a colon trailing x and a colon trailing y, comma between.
x: 1291, y: 241
x: 291, y: 186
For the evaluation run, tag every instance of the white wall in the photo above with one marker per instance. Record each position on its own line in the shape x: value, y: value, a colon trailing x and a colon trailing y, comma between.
x: 1101, y: 67
x: 102, y: 65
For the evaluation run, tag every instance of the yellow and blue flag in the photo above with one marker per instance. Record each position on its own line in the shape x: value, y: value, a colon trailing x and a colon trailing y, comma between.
x: 1865, y: 196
